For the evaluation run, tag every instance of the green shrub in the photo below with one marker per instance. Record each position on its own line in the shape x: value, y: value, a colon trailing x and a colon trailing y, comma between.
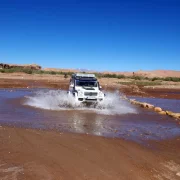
x: 110, y: 75
x: 2, y: 70
x: 52, y: 72
x: 141, y: 83
x: 167, y: 79
x: 137, y: 77
x: 156, y: 78
x: 121, y: 76
x: 174, y: 79
x: 39, y: 72
x: 28, y: 71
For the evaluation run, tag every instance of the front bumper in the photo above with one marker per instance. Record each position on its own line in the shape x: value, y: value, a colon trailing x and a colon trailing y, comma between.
x: 87, y: 99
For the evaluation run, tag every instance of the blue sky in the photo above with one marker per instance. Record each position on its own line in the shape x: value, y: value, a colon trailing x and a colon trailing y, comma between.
x: 101, y: 35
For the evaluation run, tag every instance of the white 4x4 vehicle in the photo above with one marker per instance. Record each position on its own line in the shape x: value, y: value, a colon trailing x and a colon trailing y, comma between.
x: 85, y: 88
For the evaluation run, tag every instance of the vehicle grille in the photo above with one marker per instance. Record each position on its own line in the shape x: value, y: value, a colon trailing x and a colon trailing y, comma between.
x: 90, y: 93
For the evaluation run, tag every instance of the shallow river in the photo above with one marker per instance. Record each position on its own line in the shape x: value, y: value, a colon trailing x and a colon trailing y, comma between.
x: 54, y: 110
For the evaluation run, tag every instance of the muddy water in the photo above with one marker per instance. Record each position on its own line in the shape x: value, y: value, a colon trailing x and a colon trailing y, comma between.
x: 166, y: 104
x: 52, y: 110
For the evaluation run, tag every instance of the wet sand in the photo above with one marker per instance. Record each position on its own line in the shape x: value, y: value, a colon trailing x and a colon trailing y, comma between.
x: 40, y: 155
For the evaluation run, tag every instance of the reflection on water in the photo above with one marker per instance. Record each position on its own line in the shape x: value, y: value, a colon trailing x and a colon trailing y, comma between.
x: 79, y: 124
x: 142, y: 125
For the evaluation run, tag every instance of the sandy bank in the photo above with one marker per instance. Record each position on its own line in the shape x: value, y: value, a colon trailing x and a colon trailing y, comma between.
x: 40, y: 155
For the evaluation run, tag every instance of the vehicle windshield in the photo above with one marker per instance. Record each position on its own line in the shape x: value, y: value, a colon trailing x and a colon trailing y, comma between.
x: 86, y: 83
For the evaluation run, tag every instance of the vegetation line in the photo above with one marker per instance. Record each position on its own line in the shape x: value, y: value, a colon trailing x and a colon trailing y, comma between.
x: 99, y: 75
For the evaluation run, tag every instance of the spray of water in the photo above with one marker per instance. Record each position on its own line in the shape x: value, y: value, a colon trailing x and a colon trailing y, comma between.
x: 60, y: 100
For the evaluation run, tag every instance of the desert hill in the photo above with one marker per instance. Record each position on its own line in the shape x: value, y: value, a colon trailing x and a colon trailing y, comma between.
x: 150, y: 74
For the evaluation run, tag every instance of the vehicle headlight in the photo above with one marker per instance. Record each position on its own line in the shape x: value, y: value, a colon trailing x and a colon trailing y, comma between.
x: 80, y: 93
x: 101, y: 93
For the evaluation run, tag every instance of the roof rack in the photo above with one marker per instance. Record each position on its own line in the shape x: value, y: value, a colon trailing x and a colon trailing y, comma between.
x: 84, y: 76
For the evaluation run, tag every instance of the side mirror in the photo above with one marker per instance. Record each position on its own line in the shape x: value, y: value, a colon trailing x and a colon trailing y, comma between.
x: 71, y: 85
x: 100, y: 87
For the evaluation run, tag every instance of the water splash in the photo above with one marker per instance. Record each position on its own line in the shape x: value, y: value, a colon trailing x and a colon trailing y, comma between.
x: 60, y: 100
